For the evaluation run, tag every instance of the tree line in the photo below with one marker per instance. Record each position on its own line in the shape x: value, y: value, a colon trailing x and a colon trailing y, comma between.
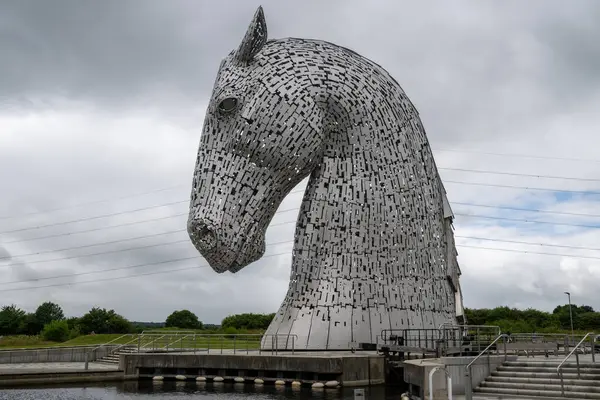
x: 49, y: 322
x: 585, y: 318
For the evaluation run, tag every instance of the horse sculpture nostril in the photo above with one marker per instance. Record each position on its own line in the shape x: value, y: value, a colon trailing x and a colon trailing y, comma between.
x: 204, y: 237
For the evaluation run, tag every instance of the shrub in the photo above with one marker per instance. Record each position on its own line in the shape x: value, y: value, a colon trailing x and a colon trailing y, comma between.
x: 56, y: 331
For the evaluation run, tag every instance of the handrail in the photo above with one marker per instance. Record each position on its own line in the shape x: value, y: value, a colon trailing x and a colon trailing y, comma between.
x: 558, y: 369
x: 467, y: 326
x: 469, y: 385
x: 448, y: 382
x: 158, y: 338
x: 87, y: 355
x: 502, y: 335
x: 166, y: 346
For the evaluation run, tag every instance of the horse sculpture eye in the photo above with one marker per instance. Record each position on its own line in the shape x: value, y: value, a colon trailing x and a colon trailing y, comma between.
x: 228, y: 105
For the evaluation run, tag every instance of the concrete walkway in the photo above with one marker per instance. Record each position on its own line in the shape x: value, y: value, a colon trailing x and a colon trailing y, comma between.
x: 53, y: 367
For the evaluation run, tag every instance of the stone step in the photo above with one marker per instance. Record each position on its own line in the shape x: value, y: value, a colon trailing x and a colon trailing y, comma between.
x: 550, y: 364
x: 544, y: 381
x: 535, y: 386
x: 103, y: 361
x: 546, y: 375
x: 565, y: 370
x: 545, y: 394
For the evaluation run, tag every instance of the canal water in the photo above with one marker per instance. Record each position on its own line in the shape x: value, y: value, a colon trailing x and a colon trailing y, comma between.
x: 148, y: 390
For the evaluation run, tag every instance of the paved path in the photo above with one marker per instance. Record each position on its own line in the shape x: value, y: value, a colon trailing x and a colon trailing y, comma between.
x: 54, y: 367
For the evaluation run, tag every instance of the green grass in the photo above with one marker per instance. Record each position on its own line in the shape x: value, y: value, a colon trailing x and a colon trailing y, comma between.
x: 22, y: 341
x: 156, y: 340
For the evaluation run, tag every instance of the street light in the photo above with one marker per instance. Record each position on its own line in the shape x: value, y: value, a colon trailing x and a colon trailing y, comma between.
x: 570, y: 315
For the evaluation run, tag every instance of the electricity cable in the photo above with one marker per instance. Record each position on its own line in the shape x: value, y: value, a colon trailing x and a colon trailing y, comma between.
x: 528, y: 221
x: 118, y: 268
x: 267, y: 256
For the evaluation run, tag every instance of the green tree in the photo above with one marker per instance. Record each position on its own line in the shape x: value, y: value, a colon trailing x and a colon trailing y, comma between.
x: 247, y: 321
x: 183, y: 319
x: 43, y: 315
x: 100, y: 320
x: 589, y: 320
x: 73, y: 323
x: 30, y: 326
x: 56, y: 331
x: 48, y: 312
x: 12, y: 320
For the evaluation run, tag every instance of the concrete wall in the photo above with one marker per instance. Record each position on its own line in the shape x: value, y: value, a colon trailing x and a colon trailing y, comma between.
x: 363, y: 371
x: 355, y: 370
x: 51, y: 354
x: 416, y: 372
x: 479, y: 371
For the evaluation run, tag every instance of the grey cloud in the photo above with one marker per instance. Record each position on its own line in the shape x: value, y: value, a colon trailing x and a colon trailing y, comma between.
x: 103, y: 99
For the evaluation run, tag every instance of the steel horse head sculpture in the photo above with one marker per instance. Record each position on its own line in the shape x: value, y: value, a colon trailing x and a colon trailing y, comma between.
x: 374, y: 246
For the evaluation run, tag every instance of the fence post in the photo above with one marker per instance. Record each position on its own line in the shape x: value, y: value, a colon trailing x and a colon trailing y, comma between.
x: 468, y: 384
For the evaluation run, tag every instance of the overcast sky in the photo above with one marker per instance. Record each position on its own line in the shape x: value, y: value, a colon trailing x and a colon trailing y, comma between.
x: 103, y: 100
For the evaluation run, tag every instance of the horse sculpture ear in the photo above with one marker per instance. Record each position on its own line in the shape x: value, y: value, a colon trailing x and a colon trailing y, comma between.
x: 255, y: 38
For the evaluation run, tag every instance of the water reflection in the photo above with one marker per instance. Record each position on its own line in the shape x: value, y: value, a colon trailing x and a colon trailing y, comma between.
x: 147, y: 390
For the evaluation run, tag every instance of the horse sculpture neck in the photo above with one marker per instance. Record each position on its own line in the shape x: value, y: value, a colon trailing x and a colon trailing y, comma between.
x: 374, y: 246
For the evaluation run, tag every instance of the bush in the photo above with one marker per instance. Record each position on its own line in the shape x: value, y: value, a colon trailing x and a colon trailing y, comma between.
x: 100, y: 320
x: 183, y: 319
x: 230, y: 332
x: 248, y: 321
x: 56, y: 331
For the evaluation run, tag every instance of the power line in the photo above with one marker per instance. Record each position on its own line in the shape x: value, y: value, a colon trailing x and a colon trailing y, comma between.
x: 45, y: 278
x: 106, y: 201
x: 519, y: 155
x: 525, y: 209
x: 93, y: 254
x: 183, y: 201
x: 94, y: 229
x: 478, y: 171
x: 114, y: 214
x: 528, y: 243
x: 522, y: 187
x: 94, y: 217
x: 267, y: 256
x: 529, y: 221
x: 126, y: 277
x: 89, y: 203
x: 91, y: 245
x: 528, y: 252
x: 115, y: 226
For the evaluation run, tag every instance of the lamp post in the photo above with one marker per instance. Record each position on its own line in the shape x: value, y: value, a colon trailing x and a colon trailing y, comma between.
x: 570, y: 315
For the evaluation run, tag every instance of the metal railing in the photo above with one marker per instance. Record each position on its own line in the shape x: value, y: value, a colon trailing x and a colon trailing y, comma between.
x: 190, y: 341
x: 468, y: 380
x: 448, y: 382
x: 442, y: 341
x: 93, y: 351
x: 593, y: 351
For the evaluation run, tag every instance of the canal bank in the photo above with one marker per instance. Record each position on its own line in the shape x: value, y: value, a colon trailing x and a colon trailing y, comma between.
x: 31, y: 374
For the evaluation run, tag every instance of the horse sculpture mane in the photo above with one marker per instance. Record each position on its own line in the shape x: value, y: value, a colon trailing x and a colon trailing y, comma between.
x: 374, y: 245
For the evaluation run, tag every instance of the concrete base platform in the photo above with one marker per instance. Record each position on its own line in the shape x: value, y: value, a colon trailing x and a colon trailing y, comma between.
x: 306, y: 368
x: 28, y: 374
